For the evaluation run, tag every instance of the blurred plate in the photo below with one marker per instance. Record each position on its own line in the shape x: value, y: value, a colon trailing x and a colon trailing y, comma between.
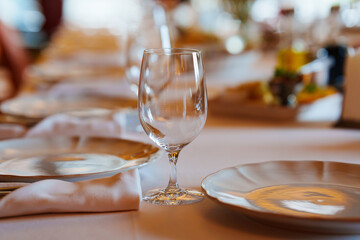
x: 77, y: 67
x: 40, y: 106
x: 31, y: 159
x: 253, y: 110
x: 312, y: 196
x: 323, y: 109
x: 24, y: 121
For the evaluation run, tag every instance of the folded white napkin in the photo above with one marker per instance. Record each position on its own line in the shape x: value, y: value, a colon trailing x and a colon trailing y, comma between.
x: 82, y: 124
x: 11, y: 131
x: 117, y: 193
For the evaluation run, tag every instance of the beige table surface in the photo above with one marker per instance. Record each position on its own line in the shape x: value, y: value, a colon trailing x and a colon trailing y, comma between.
x: 223, y: 143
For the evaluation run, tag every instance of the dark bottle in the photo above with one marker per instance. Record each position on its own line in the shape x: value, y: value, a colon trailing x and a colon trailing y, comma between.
x: 336, y: 71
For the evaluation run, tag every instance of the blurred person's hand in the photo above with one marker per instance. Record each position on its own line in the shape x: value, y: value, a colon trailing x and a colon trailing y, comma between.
x: 168, y: 4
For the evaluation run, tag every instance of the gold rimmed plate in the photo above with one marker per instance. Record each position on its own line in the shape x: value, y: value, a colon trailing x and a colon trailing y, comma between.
x: 316, y: 196
x: 41, y: 106
x: 71, y: 158
x: 24, y: 121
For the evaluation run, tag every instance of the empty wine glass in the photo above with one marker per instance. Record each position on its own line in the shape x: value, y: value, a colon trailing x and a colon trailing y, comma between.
x: 152, y: 32
x: 172, y: 107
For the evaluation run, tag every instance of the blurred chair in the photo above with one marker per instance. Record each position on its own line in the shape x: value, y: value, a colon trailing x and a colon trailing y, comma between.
x: 13, y: 55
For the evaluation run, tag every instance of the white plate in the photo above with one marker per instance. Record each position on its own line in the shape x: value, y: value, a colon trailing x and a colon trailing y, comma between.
x: 76, y: 68
x: 70, y: 158
x: 312, y: 196
x: 324, y: 109
x: 40, y: 106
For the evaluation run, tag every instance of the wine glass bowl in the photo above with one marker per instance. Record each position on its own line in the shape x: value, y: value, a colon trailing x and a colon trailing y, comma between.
x: 172, y: 106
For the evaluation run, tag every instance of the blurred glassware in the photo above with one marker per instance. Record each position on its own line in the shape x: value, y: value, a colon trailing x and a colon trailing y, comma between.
x: 285, y: 27
x: 241, y: 12
x: 152, y: 32
x: 240, y: 9
x: 350, y: 13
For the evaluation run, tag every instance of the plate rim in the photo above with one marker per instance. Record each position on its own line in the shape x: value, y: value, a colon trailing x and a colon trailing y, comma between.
x: 5, y: 109
x: 153, y: 157
x: 250, y: 212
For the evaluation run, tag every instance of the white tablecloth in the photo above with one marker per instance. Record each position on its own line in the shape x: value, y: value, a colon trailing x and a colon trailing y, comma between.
x: 219, y: 145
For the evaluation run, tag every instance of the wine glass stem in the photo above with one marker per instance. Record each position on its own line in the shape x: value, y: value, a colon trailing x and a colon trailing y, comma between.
x: 173, y: 186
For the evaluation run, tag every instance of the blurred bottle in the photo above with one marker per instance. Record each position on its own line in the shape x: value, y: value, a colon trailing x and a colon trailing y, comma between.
x: 293, y: 51
x: 286, y: 27
x: 337, y: 54
x: 291, y: 60
x: 291, y: 56
x: 350, y: 13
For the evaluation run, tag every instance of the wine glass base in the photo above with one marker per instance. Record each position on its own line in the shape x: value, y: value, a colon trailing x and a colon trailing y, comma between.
x: 181, y: 197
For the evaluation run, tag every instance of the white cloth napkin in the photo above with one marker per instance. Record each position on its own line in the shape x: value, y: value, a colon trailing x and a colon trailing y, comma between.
x: 117, y: 193
x: 68, y: 124
x: 11, y: 131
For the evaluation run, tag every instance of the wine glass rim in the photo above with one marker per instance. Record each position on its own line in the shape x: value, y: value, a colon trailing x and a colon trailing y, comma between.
x: 172, y: 51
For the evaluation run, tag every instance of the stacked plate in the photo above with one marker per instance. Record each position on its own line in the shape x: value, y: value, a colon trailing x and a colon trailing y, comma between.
x: 29, y: 110
x: 70, y: 158
x: 40, y: 106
